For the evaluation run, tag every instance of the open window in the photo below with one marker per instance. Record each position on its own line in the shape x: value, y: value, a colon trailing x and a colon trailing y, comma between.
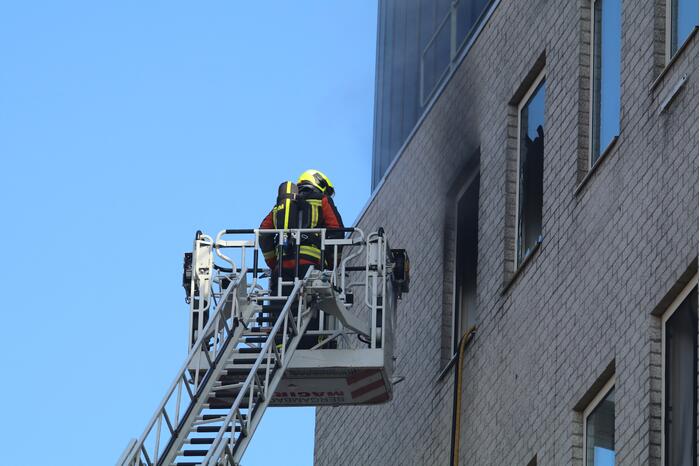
x: 531, y: 138
x: 466, y: 255
x: 679, y: 337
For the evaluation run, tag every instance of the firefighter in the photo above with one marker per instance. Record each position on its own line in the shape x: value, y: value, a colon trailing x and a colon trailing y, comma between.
x: 309, y: 204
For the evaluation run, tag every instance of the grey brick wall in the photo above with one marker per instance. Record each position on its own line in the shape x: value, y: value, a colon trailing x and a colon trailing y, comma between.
x: 618, y: 242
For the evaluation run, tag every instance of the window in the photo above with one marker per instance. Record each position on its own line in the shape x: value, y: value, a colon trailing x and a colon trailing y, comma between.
x: 436, y: 57
x: 468, y: 13
x: 680, y: 375
x: 682, y: 19
x: 451, y: 24
x: 466, y: 252
x: 605, y: 75
x: 599, y: 428
x: 530, y: 170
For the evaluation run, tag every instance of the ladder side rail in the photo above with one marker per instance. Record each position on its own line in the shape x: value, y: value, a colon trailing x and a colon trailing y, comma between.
x: 217, y: 447
x: 261, y: 406
x: 129, y: 451
x: 181, y: 377
x: 228, y: 347
x: 193, y: 387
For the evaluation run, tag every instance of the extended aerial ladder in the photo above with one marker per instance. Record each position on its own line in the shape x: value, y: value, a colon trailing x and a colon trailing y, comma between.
x: 252, y: 345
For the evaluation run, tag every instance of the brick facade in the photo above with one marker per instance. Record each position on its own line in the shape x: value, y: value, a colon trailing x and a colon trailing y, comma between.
x: 618, y: 242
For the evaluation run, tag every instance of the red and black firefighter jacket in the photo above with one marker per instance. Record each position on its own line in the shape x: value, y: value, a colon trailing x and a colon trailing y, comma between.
x: 318, y: 211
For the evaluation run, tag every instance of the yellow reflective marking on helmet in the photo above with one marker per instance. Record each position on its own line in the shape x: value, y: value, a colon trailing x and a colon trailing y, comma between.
x: 316, y: 178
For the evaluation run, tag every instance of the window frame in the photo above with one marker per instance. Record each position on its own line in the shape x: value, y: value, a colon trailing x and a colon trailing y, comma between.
x: 602, y: 393
x: 541, y: 77
x: 591, y: 86
x: 668, y: 52
x: 426, y: 95
x: 669, y: 34
x: 670, y: 310
x: 456, y: 321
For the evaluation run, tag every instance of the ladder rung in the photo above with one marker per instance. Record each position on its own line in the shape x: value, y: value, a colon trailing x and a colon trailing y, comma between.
x: 266, y: 319
x: 194, y: 452
x: 211, y: 417
x: 253, y: 340
x: 227, y: 405
x: 231, y: 393
x: 225, y: 402
x: 271, y: 307
x: 219, y: 387
x: 257, y: 330
x: 201, y: 440
x: 213, y: 429
x: 246, y: 364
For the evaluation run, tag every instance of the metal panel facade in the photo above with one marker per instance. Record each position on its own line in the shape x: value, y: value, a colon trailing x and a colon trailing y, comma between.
x: 417, y: 41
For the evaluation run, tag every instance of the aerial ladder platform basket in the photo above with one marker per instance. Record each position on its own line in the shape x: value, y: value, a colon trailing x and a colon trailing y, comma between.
x: 255, y: 341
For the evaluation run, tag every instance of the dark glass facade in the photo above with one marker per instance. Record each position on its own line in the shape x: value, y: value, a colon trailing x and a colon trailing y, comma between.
x: 418, y: 42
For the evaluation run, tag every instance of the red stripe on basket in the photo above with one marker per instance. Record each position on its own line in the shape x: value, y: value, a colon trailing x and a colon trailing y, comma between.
x: 357, y: 376
x: 367, y: 388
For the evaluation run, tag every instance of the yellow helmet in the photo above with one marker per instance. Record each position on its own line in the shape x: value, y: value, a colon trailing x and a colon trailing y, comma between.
x: 318, y: 180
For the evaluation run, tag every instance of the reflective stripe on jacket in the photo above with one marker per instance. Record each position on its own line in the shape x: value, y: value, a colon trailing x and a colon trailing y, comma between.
x: 318, y: 211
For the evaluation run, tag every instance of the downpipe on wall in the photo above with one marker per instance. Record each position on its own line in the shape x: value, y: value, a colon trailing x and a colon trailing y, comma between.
x: 457, y: 396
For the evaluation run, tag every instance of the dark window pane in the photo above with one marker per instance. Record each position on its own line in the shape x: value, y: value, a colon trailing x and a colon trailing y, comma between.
x: 606, y: 75
x: 443, y: 7
x: 684, y: 18
x: 398, y: 70
x: 412, y: 71
x: 468, y: 12
x: 466, y: 263
x: 380, y: 112
x: 530, y: 187
x: 600, y: 433
x: 389, y: 54
x: 436, y: 59
x: 427, y: 22
x: 442, y: 59
x: 681, y: 389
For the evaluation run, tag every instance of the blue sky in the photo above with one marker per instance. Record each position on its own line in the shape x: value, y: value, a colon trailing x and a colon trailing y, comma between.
x: 125, y: 127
